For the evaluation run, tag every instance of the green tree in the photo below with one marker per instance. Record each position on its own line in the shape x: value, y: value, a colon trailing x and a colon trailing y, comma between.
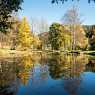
x: 58, y: 36
x: 54, y: 33
x: 24, y: 34
x: 6, y: 9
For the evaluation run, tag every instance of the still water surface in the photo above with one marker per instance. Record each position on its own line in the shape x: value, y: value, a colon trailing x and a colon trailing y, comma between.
x: 48, y: 74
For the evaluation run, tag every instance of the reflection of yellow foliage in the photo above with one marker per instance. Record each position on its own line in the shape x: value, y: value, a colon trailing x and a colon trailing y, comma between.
x: 26, y: 65
x: 27, y: 62
x: 24, y: 76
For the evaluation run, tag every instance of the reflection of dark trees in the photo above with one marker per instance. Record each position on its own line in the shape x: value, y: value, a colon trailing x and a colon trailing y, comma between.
x: 5, y: 91
x: 67, y: 66
x: 71, y: 85
x: 55, y: 69
x: 8, y: 76
x: 56, y: 63
x: 73, y: 81
x: 91, y: 65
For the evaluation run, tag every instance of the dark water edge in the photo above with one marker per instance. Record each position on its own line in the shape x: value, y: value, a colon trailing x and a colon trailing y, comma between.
x: 48, y: 74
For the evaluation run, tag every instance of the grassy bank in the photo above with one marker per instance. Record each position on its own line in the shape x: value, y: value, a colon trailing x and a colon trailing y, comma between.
x: 13, y: 53
x: 18, y: 53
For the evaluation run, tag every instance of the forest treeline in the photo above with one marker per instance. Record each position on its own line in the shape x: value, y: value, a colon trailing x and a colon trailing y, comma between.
x: 57, y: 37
x: 70, y: 34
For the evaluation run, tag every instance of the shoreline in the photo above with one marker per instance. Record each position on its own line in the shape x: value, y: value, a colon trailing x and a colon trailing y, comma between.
x: 18, y: 53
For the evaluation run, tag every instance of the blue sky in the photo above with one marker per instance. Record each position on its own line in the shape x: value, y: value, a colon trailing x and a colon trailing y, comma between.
x: 53, y: 12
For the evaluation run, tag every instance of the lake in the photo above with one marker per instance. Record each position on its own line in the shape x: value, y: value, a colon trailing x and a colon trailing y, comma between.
x: 47, y: 74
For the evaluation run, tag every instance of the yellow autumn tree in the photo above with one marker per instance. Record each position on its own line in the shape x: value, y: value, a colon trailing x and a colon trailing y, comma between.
x: 25, y: 35
x: 80, y: 38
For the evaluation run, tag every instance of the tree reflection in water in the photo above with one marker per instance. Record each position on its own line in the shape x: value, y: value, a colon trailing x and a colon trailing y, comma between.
x: 16, y: 71
x: 40, y: 70
x: 8, y: 76
x: 91, y: 64
x: 39, y: 67
x: 68, y: 68
x: 25, y: 68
